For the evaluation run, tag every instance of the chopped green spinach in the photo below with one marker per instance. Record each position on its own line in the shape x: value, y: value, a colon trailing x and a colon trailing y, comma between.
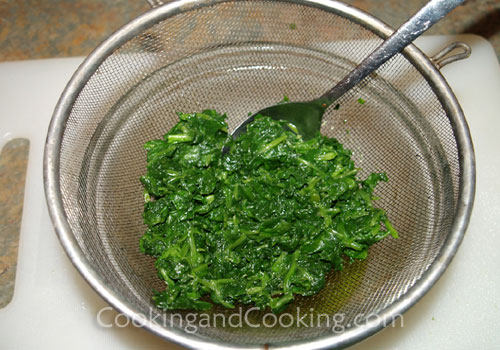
x: 259, y: 224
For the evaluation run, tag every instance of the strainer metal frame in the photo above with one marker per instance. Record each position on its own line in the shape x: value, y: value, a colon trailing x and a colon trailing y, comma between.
x: 420, y: 61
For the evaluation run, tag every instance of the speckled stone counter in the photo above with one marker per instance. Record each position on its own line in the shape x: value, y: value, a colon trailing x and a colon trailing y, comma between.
x: 13, y: 162
x: 59, y: 28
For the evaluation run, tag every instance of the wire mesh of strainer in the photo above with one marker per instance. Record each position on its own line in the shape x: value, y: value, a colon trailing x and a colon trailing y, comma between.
x: 238, y: 57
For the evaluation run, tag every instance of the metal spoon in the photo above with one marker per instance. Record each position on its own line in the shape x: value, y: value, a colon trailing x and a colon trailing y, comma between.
x: 306, y: 116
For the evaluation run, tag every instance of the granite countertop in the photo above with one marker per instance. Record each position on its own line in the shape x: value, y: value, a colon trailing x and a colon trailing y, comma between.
x: 35, y: 29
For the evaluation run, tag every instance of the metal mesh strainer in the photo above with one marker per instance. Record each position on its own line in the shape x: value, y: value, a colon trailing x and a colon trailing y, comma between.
x: 238, y: 57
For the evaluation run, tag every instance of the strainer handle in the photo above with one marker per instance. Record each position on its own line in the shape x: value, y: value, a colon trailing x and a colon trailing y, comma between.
x: 428, y: 15
x: 155, y: 3
x: 443, y: 57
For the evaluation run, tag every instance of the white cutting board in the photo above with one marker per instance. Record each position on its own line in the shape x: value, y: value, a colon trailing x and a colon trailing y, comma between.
x: 53, y: 307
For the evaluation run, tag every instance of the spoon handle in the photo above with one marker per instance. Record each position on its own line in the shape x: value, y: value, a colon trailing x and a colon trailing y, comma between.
x: 428, y: 15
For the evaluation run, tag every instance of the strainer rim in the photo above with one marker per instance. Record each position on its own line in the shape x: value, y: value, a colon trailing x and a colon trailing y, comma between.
x: 57, y: 213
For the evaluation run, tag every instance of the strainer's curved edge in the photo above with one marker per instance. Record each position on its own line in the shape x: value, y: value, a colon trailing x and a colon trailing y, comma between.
x: 386, y: 316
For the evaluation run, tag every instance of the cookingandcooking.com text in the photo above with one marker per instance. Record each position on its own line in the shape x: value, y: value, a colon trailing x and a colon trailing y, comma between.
x: 192, y: 322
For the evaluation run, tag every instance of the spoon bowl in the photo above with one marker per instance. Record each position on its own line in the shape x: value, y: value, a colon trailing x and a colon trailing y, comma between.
x: 304, y: 116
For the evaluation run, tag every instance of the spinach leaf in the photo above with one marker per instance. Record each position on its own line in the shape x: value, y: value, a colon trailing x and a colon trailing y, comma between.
x: 257, y: 225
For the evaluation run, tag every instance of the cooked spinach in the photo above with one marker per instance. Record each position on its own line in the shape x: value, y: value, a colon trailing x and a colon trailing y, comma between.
x: 259, y: 224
